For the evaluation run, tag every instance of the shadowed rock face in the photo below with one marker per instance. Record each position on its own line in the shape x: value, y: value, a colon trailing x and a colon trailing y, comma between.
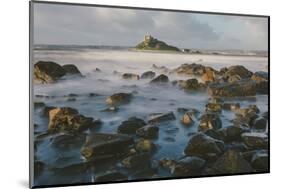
x: 189, y: 165
x: 131, y: 125
x: 160, y: 117
x: 209, y: 121
x: 148, y: 75
x: 119, y: 98
x: 98, y: 144
x: 130, y: 76
x: 48, y: 72
x: 236, y: 89
x: 255, y: 140
x: 71, y: 69
x: 204, y: 146
x: 232, y: 162
x: 148, y: 131
x: 160, y: 79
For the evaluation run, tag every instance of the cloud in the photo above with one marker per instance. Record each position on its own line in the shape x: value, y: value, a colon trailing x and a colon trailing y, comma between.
x: 65, y: 24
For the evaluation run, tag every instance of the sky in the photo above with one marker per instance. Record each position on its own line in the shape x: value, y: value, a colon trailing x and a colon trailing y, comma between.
x: 84, y: 25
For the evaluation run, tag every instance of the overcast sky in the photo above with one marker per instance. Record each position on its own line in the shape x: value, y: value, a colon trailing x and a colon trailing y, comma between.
x: 80, y: 25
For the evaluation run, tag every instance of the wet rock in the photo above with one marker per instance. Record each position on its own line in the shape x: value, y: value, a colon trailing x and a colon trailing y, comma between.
x: 45, y: 111
x: 119, y: 98
x: 190, y: 84
x: 237, y: 89
x: 189, y: 165
x: 67, y: 141
x: 48, y: 72
x: 208, y: 76
x: 160, y: 79
x: 131, y: 125
x: 260, y: 76
x: 187, y: 119
x: 232, y: 162
x: 259, y: 123
x: 71, y: 69
x: 231, y: 133
x: 209, y: 121
x: 213, y: 134
x: 98, y: 144
x: 130, y: 76
x: 246, y: 115
x: 192, y: 69
x: 141, y: 160
x: 240, y: 72
x: 68, y: 120
x: 148, y: 75
x: 203, y: 146
x: 255, y: 140
x: 213, y: 107
x: 39, y: 104
x: 231, y: 106
x: 149, y: 132
x: 160, y: 117
x: 260, y: 161
x: 111, y: 176
x: 145, y: 145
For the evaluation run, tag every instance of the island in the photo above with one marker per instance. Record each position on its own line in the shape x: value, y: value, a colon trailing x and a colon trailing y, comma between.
x: 151, y: 43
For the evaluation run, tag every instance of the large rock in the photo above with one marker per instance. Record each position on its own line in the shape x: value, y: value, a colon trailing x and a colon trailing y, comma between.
x: 209, y: 76
x: 145, y: 145
x: 99, y: 144
x: 148, y: 131
x: 260, y: 76
x: 119, y: 98
x: 255, y: 140
x: 232, y: 162
x: 187, y: 119
x: 67, y: 119
x: 71, y: 69
x: 160, y: 117
x: 213, y: 107
x: 236, y: 89
x: 130, y: 76
x: 260, y: 161
x: 260, y: 124
x: 262, y: 84
x: 131, y: 125
x: 160, y: 79
x: 190, y: 165
x: 204, y: 146
x: 236, y: 73
x: 246, y: 116
x: 141, y: 160
x: 209, y: 121
x: 231, y: 133
x: 193, y: 69
x: 110, y: 176
x: 148, y: 75
x: 190, y: 84
x: 48, y: 72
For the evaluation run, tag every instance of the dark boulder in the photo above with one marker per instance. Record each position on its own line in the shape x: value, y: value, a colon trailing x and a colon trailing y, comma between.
x: 160, y: 117
x: 259, y: 124
x: 145, y: 145
x: 48, y: 72
x: 131, y: 125
x: 110, y: 176
x: 119, y: 98
x: 141, y: 160
x: 260, y: 161
x: 99, y: 144
x: 255, y: 140
x: 160, y: 79
x: 232, y: 162
x: 71, y: 69
x: 189, y: 165
x: 237, y: 89
x: 240, y: 72
x: 148, y: 75
x: 204, y: 146
x: 190, y: 84
x: 130, y: 76
x: 231, y: 133
x: 148, y: 131
x: 209, y: 121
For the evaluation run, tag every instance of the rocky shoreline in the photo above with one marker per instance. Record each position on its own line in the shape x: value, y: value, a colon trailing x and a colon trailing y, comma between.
x: 128, y: 154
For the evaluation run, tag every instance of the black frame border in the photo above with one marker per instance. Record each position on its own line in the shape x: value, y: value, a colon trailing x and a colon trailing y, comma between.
x: 31, y: 15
